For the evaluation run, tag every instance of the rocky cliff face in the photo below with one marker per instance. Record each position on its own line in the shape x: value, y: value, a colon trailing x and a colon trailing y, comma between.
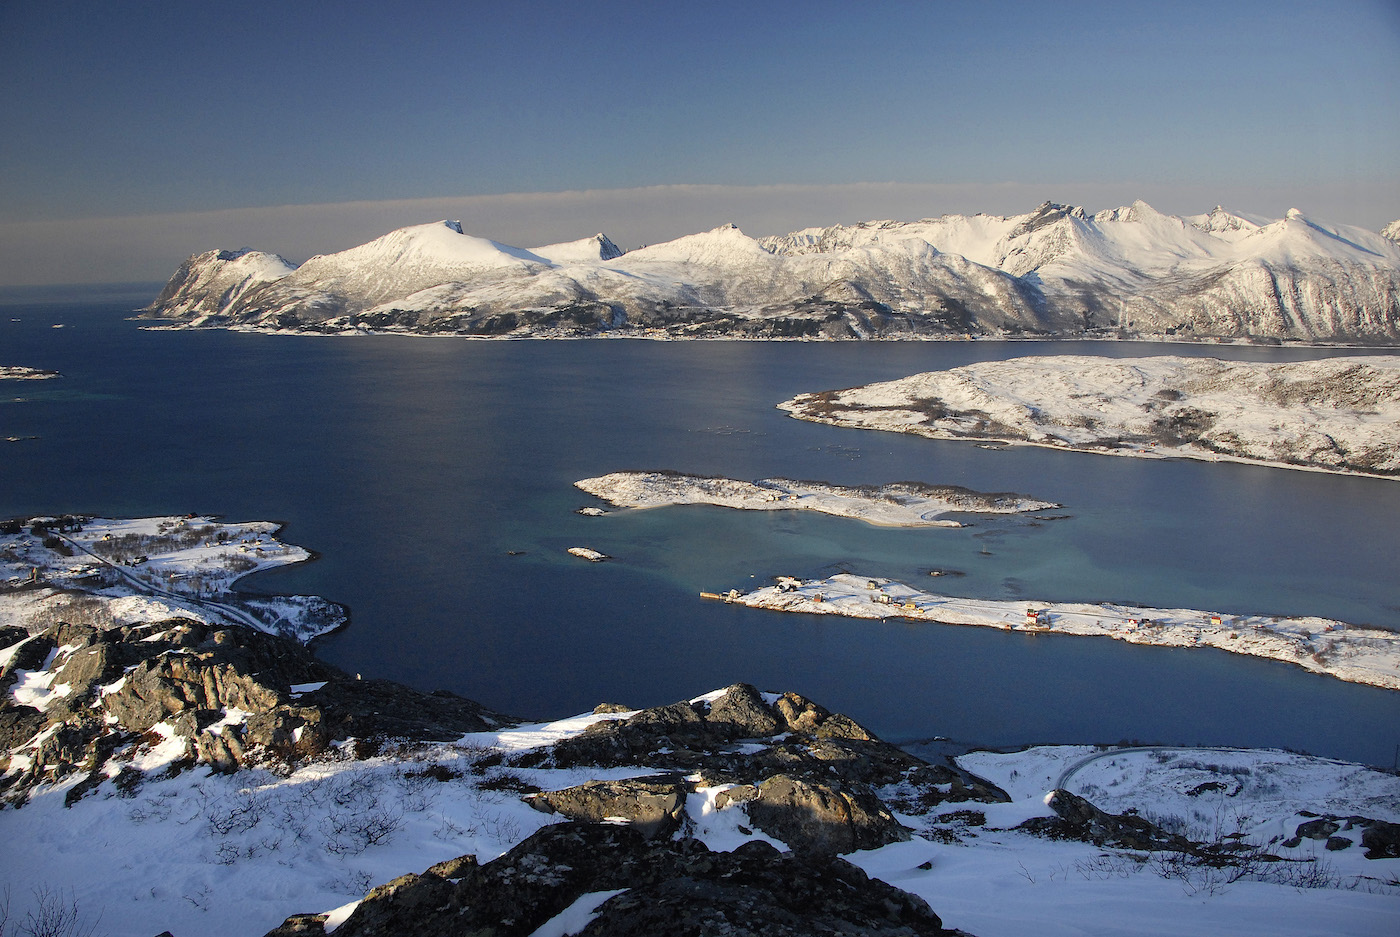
x: 221, y: 697
x: 1055, y: 271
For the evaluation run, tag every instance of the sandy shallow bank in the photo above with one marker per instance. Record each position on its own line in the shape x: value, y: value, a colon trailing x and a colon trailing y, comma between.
x: 1348, y: 652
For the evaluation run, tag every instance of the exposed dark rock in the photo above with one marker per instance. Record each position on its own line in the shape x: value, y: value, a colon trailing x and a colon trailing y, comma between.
x: 1320, y: 828
x: 1076, y: 818
x: 1381, y: 840
x: 742, y: 713
x: 673, y: 887
x: 822, y: 817
x: 801, y: 737
x: 653, y: 806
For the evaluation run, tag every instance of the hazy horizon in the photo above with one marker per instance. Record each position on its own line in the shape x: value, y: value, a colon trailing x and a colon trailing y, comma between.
x: 136, y: 138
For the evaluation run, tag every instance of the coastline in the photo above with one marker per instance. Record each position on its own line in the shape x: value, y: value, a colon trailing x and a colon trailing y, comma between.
x: 1347, y: 652
x: 119, y: 570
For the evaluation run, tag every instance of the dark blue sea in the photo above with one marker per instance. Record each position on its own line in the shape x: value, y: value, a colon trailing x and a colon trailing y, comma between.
x: 415, y: 467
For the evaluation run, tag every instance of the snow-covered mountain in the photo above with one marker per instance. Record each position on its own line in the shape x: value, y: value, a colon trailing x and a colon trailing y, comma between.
x: 1057, y: 271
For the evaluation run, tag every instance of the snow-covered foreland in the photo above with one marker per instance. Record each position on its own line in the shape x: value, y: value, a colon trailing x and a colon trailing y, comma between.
x: 1348, y: 652
x: 1056, y: 271
x: 107, y: 572
x: 232, y: 855
x: 1334, y: 414
x: 900, y: 504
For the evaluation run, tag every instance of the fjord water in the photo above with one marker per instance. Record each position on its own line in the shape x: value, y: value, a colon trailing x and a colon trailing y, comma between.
x: 434, y: 478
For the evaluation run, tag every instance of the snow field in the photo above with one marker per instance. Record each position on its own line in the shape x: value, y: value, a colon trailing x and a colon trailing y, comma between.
x: 234, y: 854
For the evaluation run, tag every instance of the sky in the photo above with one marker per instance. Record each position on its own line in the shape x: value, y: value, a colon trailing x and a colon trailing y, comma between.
x: 137, y: 133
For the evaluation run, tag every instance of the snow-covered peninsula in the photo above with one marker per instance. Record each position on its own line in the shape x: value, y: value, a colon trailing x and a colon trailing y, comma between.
x: 118, y: 571
x: 1055, y: 271
x: 899, y: 504
x: 1334, y: 414
x: 1348, y: 652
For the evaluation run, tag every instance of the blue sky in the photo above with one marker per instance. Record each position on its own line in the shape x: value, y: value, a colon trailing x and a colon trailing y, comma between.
x: 165, y: 120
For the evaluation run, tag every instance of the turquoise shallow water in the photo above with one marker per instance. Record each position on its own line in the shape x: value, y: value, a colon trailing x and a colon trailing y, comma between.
x: 415, y: 466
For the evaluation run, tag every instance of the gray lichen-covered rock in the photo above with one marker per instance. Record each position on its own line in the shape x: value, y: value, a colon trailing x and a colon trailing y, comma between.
x: 178, y: 678
x: 823, y: 817
x: 653, y: 806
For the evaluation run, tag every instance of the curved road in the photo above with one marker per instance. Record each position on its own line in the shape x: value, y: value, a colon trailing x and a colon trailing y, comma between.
x: 1082, y: 763
x: 219, y: 609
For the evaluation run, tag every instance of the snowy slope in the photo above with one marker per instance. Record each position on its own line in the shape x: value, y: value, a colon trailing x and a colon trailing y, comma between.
x: 209, y: 283
x: 1054, y: 271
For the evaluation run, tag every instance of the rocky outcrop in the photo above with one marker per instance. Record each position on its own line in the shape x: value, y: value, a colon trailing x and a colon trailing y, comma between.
x: 652, y: 806
x: 818, y: 816
x: 813, y: 779
x: 637, y: 886
x: 1076, y: 818
x: 232, y: 695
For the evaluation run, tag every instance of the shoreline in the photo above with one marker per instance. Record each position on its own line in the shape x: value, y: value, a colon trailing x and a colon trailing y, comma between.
x: 160, y: 324
x: 1347, y: 652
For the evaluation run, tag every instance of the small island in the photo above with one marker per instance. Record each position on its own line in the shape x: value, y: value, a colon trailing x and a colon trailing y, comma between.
x: 1332, y: 415
x: 1348, y: 652
x: 105, y: 571
x: 899, y: 504
x: 19, y: 373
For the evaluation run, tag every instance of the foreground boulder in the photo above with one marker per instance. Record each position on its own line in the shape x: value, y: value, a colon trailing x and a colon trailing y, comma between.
x: 660, y: 886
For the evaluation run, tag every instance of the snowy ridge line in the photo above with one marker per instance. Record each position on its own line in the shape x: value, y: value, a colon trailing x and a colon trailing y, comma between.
x: 108, y: 572
x: 1338, y: 415
x: 899, y: 504
x: 1056, y: 271
x: 1347, y: 652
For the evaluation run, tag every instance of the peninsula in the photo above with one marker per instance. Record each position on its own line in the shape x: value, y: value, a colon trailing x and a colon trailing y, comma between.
x: 106, y: 572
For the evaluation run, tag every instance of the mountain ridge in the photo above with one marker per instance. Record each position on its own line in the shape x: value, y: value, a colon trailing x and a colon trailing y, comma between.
x: 1057, y: 271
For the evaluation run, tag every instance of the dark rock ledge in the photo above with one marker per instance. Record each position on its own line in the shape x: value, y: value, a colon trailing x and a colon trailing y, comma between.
x: 674, y: 887
x: 183, y: 675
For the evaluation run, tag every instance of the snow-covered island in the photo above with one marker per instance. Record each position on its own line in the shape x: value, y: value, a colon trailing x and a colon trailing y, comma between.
x: 899, y: 504
x: 1054, y: 272
x: 1333, y: 414
x: 1348, y: 652
x: 109, y: 571
x: 22, y: 373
